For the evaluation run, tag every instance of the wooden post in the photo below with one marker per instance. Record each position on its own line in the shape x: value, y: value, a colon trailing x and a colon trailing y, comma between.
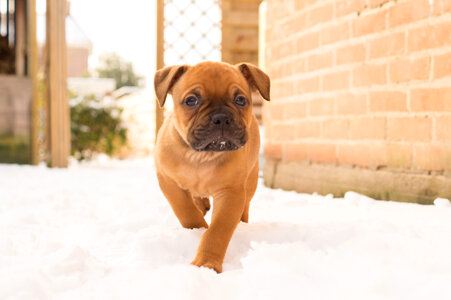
x: 33, y: 74
x: 56, y: 82
x: 159, y: 112
x: 20, y: 36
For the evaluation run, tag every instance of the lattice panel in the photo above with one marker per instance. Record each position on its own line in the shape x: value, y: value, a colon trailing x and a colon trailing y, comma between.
x: 192, y: 31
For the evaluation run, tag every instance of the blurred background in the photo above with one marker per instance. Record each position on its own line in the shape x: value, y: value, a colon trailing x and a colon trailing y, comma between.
x: 361, y: 89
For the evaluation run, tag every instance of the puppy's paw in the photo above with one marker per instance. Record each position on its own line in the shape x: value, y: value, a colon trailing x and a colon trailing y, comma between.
x: 201, y: 261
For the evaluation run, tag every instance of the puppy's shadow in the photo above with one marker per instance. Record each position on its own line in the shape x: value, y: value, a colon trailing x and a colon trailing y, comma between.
x: 313, y: 237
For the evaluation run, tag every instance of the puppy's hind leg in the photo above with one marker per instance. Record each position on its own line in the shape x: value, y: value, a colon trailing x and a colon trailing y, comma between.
x: 181, y: 203
x: 202, y: 203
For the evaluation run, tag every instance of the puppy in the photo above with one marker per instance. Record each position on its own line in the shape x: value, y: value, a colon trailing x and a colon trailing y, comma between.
x: 209, y: 147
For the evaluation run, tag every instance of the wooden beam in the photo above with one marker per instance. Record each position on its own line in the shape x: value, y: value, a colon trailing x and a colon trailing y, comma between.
x: 56, y: 82
x: 159, y: 112
x: 20, y: 36
x: 33, y: 74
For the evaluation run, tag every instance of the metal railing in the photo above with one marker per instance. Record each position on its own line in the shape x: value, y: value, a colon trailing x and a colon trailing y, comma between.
x: 192, y: 31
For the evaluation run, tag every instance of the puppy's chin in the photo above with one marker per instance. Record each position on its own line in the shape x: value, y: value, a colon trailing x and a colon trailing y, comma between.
x: 218, y: 144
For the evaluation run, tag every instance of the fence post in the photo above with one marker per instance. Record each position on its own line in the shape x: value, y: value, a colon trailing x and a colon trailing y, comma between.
x: 56, y: 82
x: 32, y: 73
x: 159, y: 112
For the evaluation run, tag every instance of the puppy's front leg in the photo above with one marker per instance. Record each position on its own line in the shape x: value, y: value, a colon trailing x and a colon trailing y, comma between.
x: 182, y: 203
x: 227, y: 210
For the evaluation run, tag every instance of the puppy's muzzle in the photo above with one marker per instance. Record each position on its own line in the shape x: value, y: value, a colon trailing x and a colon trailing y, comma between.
x: 221, y: 134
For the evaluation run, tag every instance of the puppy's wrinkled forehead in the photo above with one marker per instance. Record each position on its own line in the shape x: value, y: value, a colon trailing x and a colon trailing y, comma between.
x: 215, y: 79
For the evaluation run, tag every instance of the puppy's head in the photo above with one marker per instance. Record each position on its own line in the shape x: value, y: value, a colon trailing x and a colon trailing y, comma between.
x: 212, y: 102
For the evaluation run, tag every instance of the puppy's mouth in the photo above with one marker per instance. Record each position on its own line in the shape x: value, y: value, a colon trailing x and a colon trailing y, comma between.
x: 219, y: 143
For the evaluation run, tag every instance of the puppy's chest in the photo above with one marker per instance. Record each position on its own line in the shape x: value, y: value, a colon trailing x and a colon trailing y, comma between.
x: 198, y: 182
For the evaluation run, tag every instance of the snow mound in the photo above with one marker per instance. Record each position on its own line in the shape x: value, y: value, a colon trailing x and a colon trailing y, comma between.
x: 441, y: 202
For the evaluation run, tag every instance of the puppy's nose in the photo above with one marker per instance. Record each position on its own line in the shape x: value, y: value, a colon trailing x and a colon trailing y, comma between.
x: 220, y: 120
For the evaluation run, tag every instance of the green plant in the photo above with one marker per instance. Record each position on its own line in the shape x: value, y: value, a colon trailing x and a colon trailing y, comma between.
x: 114, y: 66
x: 96, y: 128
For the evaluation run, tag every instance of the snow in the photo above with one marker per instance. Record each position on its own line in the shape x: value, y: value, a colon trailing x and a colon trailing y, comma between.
x: 103, y: 230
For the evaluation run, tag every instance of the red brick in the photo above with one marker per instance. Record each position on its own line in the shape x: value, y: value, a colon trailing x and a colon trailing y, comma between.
x: 276, y: 112
x: 429, y: 157
x: 273, y: 150
x: 383, y: 101
x: 299, y: 65
x: 351, y: 54
x: 408, y: 12
x: 367, y: 24
x: 412, y: 129
x: 388, y: 45
x: 281, y: 88
x: 283, y: 132
x: 271, y: 35
x: 442, y: 65
x: 369, y: 75
x: 307, y: 42
x: 334, y: 33
x: 443, y: 128
x: 266, y: 117
x: 295, y: 110
x: 295, y: 152
x: 308, y: 129
x: 433, y: 99
x: 441, y: 7
x: 447, y: 158
x: 378, y: 155
x: 399, y: 156
x: 367, y: 128
x: 322, y: 153
x: 303, y: 4
x: 374, y: 3
x: 357, y: 155
x: 335, y: 129
x: 320, y: 61
x: 296, y: 23
x: 427, y: 37
x: 280, y: 70
x: 283, y: 49
x: 322, y: 107
x: 307, y: 85
x: 404, y: 69
x: 336, y: 81
x: 320, y: 14
x: 345, y: 7
x: 278, y: 9
x: 351, y: 104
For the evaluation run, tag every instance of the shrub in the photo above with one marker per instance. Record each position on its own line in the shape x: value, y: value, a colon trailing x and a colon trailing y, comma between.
x: 96, y: 128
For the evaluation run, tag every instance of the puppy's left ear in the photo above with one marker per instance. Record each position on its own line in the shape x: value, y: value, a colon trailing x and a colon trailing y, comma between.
x: 165, y: 79
x: 256, y: 78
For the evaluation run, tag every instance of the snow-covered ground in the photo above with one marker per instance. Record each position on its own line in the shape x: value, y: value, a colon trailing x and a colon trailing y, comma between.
x: 103, y: 230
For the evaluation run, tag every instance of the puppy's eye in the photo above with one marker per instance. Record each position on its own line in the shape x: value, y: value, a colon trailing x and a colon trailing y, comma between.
x: 240, y: 100
x: 191, y: 101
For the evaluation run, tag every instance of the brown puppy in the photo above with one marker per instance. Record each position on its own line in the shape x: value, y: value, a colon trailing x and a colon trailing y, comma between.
x: 209, y: 147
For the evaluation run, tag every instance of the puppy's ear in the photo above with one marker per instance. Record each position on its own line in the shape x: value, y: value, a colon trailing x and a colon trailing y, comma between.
x: 256, y: 78
x: 165, y: 79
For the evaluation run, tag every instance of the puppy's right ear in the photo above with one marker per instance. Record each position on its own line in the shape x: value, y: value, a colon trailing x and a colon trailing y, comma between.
x: 165, y: 79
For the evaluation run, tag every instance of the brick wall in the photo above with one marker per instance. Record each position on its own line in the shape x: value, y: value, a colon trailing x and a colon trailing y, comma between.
x: 360, y: 86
